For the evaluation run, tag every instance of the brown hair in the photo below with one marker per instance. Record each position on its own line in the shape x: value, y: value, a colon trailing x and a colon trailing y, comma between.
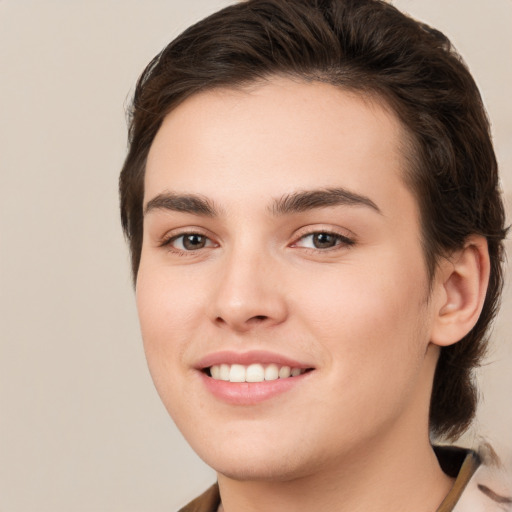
x: 370, y: 47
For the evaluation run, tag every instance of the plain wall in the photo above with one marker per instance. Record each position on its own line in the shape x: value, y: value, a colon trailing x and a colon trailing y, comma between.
x: 81, y: 426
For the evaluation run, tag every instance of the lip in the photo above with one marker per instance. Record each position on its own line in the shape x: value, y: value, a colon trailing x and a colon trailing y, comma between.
x: 250, y: 357
x: 250, y: 393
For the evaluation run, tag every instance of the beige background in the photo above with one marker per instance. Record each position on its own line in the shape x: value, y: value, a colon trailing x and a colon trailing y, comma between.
x: 81, y: 427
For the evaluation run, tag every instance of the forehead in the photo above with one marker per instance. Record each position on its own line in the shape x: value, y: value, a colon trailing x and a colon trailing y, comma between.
x: 276, y: 134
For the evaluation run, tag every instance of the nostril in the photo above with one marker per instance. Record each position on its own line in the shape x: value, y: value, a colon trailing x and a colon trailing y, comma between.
x: 243, y: 323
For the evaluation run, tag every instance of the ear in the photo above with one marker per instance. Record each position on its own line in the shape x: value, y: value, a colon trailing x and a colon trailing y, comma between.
x: 461, y: 285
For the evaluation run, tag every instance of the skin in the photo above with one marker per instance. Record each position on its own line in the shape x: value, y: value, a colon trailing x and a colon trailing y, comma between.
x: 355, y: 430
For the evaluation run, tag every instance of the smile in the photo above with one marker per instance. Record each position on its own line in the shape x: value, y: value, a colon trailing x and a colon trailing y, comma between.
x: 251, y: 377
x: 255, y: 372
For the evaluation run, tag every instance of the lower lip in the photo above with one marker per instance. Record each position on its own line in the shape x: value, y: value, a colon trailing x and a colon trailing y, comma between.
x: 250, y: 393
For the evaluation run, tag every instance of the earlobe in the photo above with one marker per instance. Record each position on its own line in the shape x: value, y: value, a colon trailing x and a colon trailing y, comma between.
x: 461, y: 283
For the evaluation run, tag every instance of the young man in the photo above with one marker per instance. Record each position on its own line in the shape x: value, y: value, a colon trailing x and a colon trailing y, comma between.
x: 312, y: 204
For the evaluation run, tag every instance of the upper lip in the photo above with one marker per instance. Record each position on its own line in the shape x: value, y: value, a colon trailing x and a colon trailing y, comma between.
x: 247, y: 358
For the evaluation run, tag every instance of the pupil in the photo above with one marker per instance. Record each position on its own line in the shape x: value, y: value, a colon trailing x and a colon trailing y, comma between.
x: 323, y: 240
x: 193, y: 242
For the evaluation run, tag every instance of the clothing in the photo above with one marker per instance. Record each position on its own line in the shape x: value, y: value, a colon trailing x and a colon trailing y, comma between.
x: 455, y: 462
x: 207, y: 502
x: 459, y: 464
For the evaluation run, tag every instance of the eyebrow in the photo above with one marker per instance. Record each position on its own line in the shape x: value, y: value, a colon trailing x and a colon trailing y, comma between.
x: 296, y: 202
x: 186, y: 203
x: 321, y: 198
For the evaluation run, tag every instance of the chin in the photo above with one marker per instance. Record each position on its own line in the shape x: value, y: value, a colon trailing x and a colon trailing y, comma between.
x: 243, y: 463
x: 259, y: 470
x: 253, y: 473
x: 256, y: 459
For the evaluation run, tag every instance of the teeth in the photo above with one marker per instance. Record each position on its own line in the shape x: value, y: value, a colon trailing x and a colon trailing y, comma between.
x: 215, y: 371
x: 224, y: 372
x: 253, y: 373
x: 272, y: 372
x: 285, y: 372
x: 237, y: 373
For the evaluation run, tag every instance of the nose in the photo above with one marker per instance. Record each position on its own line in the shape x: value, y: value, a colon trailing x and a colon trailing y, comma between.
x: 248, y: 292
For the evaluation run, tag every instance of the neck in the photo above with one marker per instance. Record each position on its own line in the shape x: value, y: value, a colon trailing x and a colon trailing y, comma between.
x: 399, y: 477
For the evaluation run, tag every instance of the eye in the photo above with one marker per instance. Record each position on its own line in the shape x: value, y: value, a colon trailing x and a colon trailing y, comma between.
x: 322, y: 240
x: 189, y: 242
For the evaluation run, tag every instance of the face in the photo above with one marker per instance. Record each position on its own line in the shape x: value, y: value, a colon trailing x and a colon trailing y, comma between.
x: 282, y: 290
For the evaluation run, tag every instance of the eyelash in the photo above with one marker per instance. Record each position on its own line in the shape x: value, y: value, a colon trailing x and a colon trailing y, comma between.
x: 341, y: 241
x: 168, y: 241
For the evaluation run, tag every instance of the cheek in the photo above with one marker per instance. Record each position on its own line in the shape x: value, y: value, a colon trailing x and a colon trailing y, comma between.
x: 352, y: 300
x: 167, y: 298
x: 168, y: 312
x: 369, y: 320
x: 168, y: 308
x: 374, y: 346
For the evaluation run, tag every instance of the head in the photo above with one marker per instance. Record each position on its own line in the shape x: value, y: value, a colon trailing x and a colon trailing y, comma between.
x: 369, y: 49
